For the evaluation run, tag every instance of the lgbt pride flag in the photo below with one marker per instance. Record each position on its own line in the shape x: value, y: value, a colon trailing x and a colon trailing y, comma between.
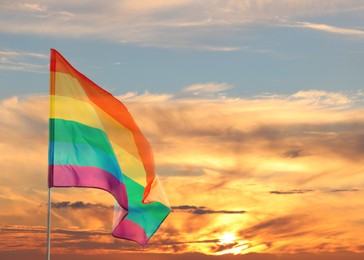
x: 94, y: 142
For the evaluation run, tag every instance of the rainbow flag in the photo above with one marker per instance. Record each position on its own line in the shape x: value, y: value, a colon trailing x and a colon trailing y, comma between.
x: 94, y: 142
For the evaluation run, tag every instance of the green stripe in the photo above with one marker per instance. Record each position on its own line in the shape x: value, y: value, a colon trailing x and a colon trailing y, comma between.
x: 74, y: 132
x: 149, y: 216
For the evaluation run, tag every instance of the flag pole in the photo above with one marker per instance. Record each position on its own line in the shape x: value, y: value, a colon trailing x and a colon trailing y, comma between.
x: 49, y: 226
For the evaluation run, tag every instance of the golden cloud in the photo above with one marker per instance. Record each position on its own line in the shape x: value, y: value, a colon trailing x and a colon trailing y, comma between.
x: 273, y: 173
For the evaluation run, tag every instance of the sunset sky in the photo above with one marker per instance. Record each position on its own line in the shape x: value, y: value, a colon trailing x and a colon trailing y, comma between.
x: 254, y: 111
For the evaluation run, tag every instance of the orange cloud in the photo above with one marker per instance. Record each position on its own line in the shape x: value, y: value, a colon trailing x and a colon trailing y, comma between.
x: 280, y: 174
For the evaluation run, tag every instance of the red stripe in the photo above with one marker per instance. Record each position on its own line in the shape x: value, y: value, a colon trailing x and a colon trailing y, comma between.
x: 89, y: 177
x: 59, y: 63
x: 128, y: 229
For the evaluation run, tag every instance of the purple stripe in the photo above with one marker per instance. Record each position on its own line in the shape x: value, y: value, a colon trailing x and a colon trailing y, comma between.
x: 128, y: 229
x: 90, y: 177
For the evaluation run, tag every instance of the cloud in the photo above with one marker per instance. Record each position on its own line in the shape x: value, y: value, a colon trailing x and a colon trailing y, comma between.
x: 280, y: 227
x: 344, y: 190
x: 289, y: 192
x: 35, y: 255
x: 232, y: 155
x: 64, y: 241
x: 296, y: 144
x: 23, y: 61
x: 177, y: 23
x: 31, y: 7
x: 77, y: 205
x: 146, y: 97
x: 12, y: 53
x: 293, y: 153
x: 332, y: 29
x: 203, y: 210
x: 321, y: 97
x: 139, y: 6
x: 220, y: 48
x: 206, y: 89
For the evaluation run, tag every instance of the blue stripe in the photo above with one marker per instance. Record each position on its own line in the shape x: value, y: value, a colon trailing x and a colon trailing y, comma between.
x: 65, y: 153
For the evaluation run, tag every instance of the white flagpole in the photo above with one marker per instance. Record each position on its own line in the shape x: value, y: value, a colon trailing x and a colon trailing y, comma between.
x: 51, y: 110
x: 49, y: 226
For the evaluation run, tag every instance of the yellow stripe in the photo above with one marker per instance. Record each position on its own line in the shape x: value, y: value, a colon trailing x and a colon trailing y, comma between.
x: 91, y: 115
x: 130, y: 166
x: 75, y: 110
x: 119, y: 136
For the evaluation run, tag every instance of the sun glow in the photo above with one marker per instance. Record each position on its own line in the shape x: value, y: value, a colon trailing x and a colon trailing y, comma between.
x: 227, y: 238
x: 232, y: 244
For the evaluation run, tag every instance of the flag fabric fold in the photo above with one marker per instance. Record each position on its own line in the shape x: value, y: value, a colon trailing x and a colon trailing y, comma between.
x: 94, y: 142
